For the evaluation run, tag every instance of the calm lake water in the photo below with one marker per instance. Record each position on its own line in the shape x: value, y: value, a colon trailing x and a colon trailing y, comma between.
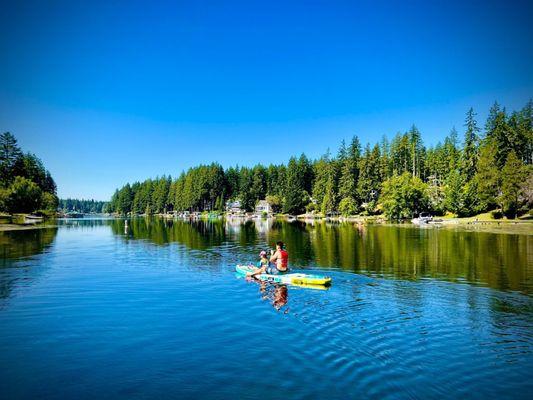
x: 91, y: 310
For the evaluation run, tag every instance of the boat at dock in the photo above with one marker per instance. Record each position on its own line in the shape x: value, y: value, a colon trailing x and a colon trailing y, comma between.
x: 422, y: 219
x: 32, y: 219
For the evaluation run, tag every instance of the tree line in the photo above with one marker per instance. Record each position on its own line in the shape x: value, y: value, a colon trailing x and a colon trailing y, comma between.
x: 82, y: 206
x: 491, y: 169
x: 25, y: 184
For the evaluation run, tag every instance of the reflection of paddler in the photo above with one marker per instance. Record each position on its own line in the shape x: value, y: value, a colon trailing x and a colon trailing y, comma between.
x: 277, y: 294
x: 281, y: 296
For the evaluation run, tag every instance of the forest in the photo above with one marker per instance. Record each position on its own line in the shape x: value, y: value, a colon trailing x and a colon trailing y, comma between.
x: 25, y: 184
x: 82, y: 206
x: 488, y: 168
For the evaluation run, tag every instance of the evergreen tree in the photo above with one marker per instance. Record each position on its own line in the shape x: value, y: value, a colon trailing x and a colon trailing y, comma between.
x: 487, y: 178
x: 349, y: 174
x: 259, y: 183
x: 294, y: 192
x: 330, y: 200
x: 125, y: 198
x: 416, y: 146
x: 321, y: 171
x: 470, y: 147
x: 246, y: 194
x: 500, y: 137
x: 369, y: 183
x: 10, y: 153
x: 454, y: 193
x: 513, y: 176
x: 305, y: 171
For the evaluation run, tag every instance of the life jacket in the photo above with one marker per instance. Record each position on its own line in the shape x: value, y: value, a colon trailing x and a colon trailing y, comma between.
x: 284, y: 259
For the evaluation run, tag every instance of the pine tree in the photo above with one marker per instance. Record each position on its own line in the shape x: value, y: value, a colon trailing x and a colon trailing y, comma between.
x: 500, y: 136
x: 321, y: 171
x: 415, y: 140
x: 349, y: 174
x: 470, y: 147
x: 487, y: 178
x: 10, y: 153
x: 513, y: 176
x: 330, y: 200
x: 125, y: 200
x: 294, y: 192
x: 454, y: 193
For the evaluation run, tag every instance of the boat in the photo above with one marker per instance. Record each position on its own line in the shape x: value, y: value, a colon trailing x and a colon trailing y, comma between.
x: 32, y: 219
x: 422, y: 219
x: 299, y: 279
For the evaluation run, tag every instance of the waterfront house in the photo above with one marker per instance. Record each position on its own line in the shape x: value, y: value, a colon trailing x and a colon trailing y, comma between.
x: 262, y: 207
x: 234, y: 207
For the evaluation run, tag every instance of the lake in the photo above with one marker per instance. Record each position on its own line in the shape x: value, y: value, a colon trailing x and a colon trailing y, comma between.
x: 90, y: 309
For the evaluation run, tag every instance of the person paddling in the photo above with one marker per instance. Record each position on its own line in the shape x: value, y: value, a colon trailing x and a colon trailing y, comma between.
x: 280, y: 259
x: 279, y: 262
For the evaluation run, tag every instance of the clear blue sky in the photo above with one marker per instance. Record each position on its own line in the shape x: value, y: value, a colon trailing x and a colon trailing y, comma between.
x: 111, y: 92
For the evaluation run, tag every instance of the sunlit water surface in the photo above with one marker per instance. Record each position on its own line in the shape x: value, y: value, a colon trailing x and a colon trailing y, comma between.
x: 89, y: 309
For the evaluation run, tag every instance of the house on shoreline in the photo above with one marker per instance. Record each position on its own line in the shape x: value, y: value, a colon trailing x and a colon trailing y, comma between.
x: 263, y: 207
x: 234, y: 209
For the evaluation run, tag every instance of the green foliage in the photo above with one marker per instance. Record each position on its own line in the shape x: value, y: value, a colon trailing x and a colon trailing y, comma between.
x: 83, y: 206
x: 454, y: 193
x: 369, y: 183
x: 461, y: 179
x: 526, y: 189
x: 347, y: 206
x: 496, y: 214
x: 330, y: 199
x: 487, y: 178
x: 275, y: 202
x: 4, y: 196
x: 25, y: 184
x: 49, y: 201
x: 23, y: 196
x: 10, y: 155
x: 403, y: 196
x: 513, y: 176
x: 349, y: 174
x: 295, y: 195
x: 470, y: 149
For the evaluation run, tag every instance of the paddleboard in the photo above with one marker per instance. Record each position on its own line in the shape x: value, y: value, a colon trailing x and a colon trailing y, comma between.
x: 290, y: 278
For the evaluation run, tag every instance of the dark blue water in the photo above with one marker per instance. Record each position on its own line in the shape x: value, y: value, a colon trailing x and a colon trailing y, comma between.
x: 89, y: 311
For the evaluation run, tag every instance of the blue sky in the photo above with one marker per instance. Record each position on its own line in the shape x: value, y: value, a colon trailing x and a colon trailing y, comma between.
x: 111, y: 92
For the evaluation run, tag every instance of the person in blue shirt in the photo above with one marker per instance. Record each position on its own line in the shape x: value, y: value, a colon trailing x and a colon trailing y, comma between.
x: 263, y: 260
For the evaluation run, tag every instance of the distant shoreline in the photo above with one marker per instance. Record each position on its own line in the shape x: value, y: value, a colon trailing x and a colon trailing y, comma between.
x: 519, y: 226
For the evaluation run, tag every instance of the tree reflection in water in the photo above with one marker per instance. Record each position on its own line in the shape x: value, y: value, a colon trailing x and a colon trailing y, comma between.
x: 499, y: 260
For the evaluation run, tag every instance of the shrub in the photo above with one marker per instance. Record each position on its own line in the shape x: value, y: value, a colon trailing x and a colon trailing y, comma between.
x: 497, y: 214
x: 348, y: 206
x: 403, y: 195
x: 24, y: 196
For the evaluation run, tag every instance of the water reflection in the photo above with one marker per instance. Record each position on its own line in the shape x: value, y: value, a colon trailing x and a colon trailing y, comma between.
x: 161, y: 300
x: 277, y: 295
x: 24, y: 243
x: 15, y: 245
x: 502, y: 261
